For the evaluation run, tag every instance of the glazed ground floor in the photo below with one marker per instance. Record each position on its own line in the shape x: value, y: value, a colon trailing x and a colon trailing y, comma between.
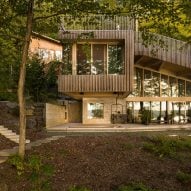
x: 129, y: 110
x: 162, y: 96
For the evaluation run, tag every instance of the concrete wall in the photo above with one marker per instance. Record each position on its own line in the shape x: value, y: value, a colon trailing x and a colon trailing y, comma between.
x: 55, y: 115
x: 108, y: 105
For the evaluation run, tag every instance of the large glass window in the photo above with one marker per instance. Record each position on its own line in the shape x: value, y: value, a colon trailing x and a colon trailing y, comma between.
x: 67, y: 59
x: 164, y: 86
x: 147, y: 83
x: 181, y: 88
x: 173, y: 87
x: 138, y: 82
x: 156, y: 84
x: 115, y: 59
x: 99, y: 59
x: 188, y: 89
x: 95, y: 110
x: 155, y: 111
x: 83, y: 59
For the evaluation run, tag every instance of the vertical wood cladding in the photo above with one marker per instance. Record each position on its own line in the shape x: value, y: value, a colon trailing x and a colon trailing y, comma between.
x: 102, y: 83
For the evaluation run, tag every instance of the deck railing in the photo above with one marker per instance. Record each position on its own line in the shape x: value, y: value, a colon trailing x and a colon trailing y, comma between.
x: 97, y: 22
x: 163, y: 48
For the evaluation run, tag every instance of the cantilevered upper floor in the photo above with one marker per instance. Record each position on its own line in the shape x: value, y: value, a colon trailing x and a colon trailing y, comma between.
x: 100, y: 54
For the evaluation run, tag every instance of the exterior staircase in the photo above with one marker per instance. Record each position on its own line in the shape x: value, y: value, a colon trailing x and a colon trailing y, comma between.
x: 4, y: 154
x: 9, y: 134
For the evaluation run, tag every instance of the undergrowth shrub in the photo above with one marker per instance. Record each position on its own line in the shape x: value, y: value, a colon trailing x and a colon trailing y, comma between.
x: 17, y: 162
x: 163, y: 146
x: 33, y: 168
x: 135, y: 187
x: 77, y: 188
x: 183, y: 177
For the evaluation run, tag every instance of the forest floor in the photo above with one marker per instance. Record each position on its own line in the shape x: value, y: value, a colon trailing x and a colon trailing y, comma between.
x: 105, y: 163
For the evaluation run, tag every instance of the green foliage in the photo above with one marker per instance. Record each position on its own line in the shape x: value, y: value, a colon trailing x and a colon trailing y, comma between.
x: 35, y: 170
x: 146, y: 116
x: 135, y: 187
x: 183, y: 177
x: 167, y: 147
x: 35, y: 79
x: 17, y: 162
x: 127, y: 146
x: 41, y: 79
x: 8, y: 96
x: 39, y: 174
x: 77, y: 188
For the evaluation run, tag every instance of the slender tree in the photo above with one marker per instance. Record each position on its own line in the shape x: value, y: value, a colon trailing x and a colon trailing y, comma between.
x: 21, y: 85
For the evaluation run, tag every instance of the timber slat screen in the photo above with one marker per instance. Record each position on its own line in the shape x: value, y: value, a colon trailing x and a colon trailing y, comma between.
x: 92, y: 83
x: 98, y: 22
x: 164, y: 48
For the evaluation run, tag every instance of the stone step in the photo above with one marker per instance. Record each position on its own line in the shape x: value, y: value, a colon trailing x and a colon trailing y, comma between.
x: 3, y: 159
x: 10, y: 134
x: 8, y: 152
x: 16, y: 140
x: 4, y: 130
x: 7, y: 133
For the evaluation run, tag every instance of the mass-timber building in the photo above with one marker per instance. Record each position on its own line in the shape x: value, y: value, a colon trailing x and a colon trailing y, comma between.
x: 115, y: 73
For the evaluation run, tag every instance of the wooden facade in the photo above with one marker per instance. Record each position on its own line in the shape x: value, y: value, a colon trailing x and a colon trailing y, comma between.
x: 119, y: 29
x: 165, y: 49
x: 102, y: 83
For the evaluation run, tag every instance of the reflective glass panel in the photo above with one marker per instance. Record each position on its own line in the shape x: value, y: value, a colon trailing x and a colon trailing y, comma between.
x: 115, y: 59
x: 138, y: 79
x: 173, y: 87
x: 181, y: 88
x: 67, y: 59
x: 138, y: 106
x: 188, y: 113
x: 164, y: 86
x: 130, y: 112
x: 156, y: 84
x: 98, y: 58
x: 95, y: 110
x: 163, y: 109
x: 83, y: 59
x: 188, y: 89
x: 148, y: 90
x: 155, y: 110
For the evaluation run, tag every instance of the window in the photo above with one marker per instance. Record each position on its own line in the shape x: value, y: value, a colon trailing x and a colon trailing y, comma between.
x: 95, y: 110
x: 181, y: 88
x: 138, y: 78
x: 83, y: 59
x: 43, y: 53
x: 164, y: 86
x: 188, y: 89
x: 96, y: 59
x: 115, y: 59
x: 58, y: 54
x: 67, y: 59
x: 148, y: 83
x: 173, y: 87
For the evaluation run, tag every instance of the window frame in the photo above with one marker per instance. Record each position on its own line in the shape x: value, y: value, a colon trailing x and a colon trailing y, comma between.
x: 105, y: 60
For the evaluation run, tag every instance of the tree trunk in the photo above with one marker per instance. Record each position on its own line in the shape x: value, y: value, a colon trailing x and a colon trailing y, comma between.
x: 21, y: 85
